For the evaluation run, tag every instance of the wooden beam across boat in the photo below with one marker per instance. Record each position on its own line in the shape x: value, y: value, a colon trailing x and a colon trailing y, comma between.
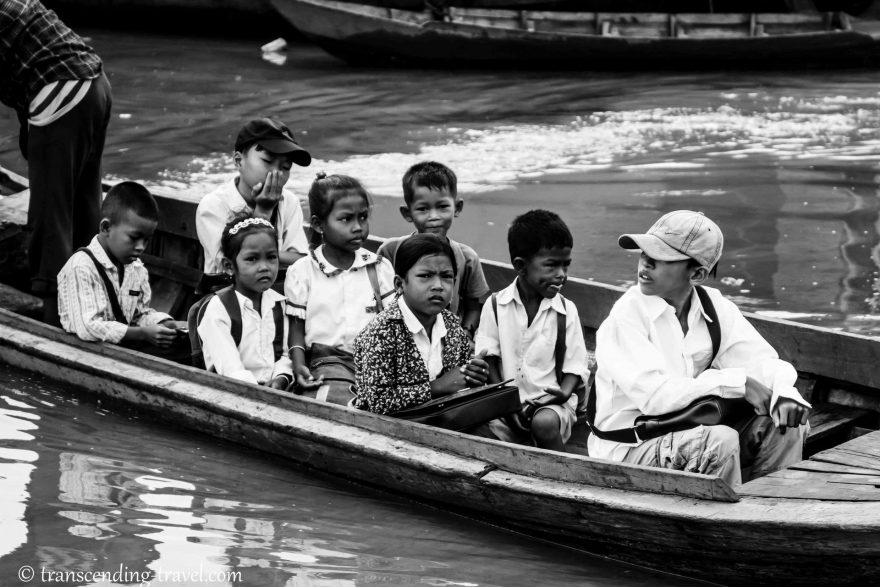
x: 481, y: 37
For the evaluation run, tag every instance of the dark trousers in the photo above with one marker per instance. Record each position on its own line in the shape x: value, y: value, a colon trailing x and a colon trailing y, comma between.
x: 64, y: 169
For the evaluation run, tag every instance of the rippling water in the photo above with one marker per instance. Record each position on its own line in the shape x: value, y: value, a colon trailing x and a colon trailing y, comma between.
x: 786, y: 163
x: 88, y: 490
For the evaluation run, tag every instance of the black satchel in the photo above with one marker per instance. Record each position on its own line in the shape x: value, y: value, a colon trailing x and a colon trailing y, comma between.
x: 706, y: 411
x: 466, y: 408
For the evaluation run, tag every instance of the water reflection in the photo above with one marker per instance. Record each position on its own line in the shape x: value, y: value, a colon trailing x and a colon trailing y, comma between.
x: 99, y: 492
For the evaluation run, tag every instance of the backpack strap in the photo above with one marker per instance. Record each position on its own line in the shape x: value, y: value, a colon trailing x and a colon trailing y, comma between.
x: 377, y: 293
x: 278, y: 315
x: 629, y: 435
x: 230, y: 302
x: 193, y: 319
x: 559, y: 349
x: 118, y: 315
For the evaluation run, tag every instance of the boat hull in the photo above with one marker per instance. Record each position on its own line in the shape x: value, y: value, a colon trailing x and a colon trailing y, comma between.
x: 367, y: 35
x: 571, y: 499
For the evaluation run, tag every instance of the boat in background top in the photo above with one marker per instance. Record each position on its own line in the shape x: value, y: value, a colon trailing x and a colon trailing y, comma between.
x: 470, y: 37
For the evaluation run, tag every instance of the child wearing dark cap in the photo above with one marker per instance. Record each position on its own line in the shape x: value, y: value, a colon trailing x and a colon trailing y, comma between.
x: 656, y: 355
x: 265, y: 151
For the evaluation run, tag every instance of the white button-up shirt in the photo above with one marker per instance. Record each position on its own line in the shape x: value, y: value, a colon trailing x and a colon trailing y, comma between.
x: 84, y: 307
x: 336, y: 304
x: 527, y: 350
x: 431, y: 349
x: 216, y: 209
x: 253, y: 360
x: 647, y: 365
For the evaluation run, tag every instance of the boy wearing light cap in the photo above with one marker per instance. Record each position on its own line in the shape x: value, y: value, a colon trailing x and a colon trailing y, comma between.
x: 654, y: 352
x: 265, y: 151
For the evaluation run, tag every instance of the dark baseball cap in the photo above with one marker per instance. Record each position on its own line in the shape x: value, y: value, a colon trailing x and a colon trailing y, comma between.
x: 274, y: 136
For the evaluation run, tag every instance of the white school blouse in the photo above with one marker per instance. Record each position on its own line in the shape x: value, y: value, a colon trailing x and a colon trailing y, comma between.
x: 253, y: 360
x: 336, y: 304
x: 647, y: 365
x: 527, y: 350
x: 217, y: 208
x: 431, y: 349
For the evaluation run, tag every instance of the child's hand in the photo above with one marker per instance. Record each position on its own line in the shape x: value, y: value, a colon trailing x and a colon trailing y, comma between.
x: 304, y: 379
x: 159, y: 335
x: 476, y: 371
x: 266, y: 195
x: 555, y: 395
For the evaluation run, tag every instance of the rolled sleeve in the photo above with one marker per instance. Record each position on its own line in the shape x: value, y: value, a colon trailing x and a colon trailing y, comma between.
x: 293, y: 237
x: 297, y: 286
x: 576, y: 360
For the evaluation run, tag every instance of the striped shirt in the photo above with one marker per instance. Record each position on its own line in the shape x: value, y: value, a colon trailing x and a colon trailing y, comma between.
x: 83, y: 304
x: 36, y: 50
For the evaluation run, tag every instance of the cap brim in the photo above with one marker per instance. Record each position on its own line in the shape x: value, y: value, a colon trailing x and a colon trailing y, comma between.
x: 297, y: 154
x: 651, y: 246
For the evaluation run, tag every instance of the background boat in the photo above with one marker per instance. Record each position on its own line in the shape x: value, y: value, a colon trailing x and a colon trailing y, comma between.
x: 818, y: 521
x: 372, y: 35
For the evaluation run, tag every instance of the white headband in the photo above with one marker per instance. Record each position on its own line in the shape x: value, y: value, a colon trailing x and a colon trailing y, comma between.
x: 249, y: 222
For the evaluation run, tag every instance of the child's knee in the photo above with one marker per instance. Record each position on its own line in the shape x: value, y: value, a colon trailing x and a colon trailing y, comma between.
x: 545, y: 425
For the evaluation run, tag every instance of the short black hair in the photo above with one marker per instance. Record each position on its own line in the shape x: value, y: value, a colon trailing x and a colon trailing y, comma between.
x: 417, y: 246
x: 129, y: 196
x: 536, y: 230
x: 429, y: 174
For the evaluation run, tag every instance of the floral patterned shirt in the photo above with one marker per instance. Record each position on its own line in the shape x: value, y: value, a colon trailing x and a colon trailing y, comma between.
x: 390, y: 374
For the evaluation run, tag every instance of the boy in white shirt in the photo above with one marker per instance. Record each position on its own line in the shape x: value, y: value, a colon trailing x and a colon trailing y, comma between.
x: 654, y: 352
x: 265, y: 151
x: 518, y: 334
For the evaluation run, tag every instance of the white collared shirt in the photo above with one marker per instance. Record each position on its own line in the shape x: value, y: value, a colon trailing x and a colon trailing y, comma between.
x: 527, y: 350
x: 217, y: 208
x: 336, y: 304
x: 253, y: 360
x: 647, y: 365
x: 431, y: 349
x: 84, y: 307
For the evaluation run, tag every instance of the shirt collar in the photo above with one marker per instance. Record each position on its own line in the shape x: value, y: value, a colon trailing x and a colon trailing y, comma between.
x: 656, y: 305
x: 413, y: 325
x: 103, y: 258
x: 511, y: 294
x: 270, y: 295
x: 362, y: 258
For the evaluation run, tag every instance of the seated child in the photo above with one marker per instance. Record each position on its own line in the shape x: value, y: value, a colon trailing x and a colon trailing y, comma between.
x: 265, y: 151
x: 339, y: 287
x: 431, y: 203
x: 518, y: 333
x: 416, y: 349
x: 104, y: 289
x: 250, y: 254
x: 654, y: 352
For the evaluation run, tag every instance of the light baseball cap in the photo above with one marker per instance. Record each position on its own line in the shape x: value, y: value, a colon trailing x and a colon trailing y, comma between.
x: 677, y: 236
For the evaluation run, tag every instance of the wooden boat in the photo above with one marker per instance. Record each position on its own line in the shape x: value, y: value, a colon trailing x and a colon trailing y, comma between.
x: 818, y: 521
x: 364, y: 34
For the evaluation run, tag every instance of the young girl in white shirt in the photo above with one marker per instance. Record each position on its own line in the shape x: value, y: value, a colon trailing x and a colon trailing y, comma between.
x: 336, y: 290
x: 249, y: 310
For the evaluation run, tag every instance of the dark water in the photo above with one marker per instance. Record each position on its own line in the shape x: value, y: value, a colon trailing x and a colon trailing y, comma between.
x: 89, y: 490
x: 786, y: 164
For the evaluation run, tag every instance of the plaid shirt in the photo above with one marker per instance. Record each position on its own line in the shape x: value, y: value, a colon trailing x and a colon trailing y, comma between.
x: 36, y: 49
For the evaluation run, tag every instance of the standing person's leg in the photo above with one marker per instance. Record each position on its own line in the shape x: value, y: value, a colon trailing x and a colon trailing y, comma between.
x: 60, y: 205
x: 710, y: 450
x: 764, y: 448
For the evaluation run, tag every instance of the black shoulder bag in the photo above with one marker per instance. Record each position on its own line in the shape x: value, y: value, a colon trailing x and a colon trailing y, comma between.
x: 706, y: 411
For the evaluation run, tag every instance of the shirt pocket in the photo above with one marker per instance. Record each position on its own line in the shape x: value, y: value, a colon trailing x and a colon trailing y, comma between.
x: 539, y: 354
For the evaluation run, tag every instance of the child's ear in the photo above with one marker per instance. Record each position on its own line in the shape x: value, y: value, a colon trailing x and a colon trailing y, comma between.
x: 519, y: 265
x: 404, y: 211
x: 699, y: 275
x: 316, y: 224
x: 459, y: 206
x: 104, y: 226
x: 228, y: 267
x: 398, y: 284
x: 236, y: 158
